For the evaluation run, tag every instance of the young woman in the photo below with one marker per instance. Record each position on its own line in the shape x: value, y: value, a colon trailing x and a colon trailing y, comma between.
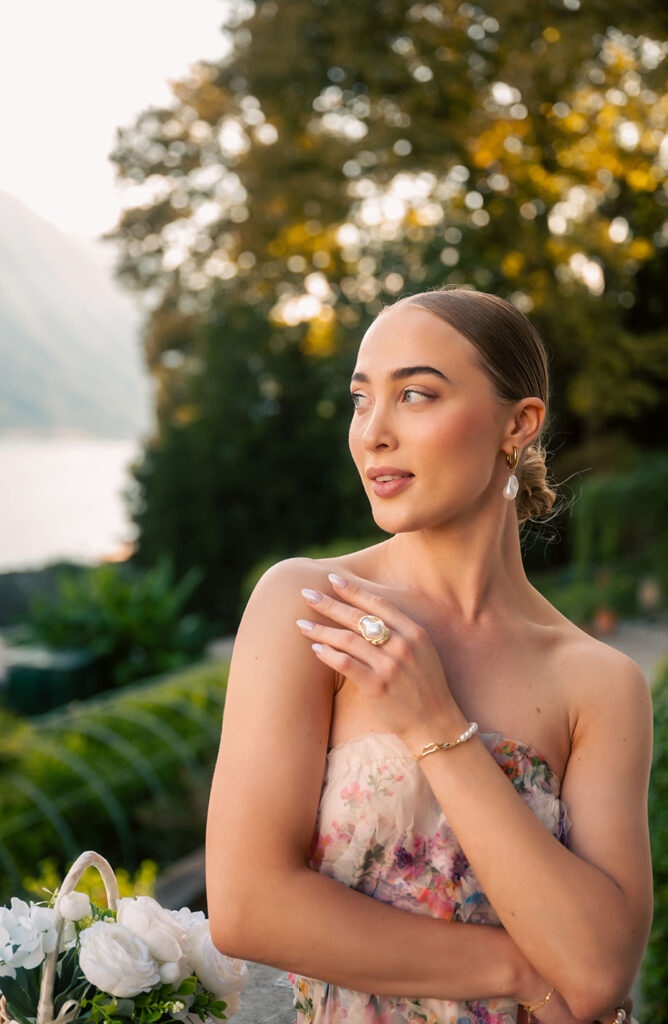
x: 398, y: 878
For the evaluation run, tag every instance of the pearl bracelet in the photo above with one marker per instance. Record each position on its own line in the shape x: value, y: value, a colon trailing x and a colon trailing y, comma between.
x: 431, y: 748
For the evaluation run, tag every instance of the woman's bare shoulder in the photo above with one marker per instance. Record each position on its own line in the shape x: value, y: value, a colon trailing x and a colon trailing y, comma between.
x: 602, y: 681
x: 281, y: 579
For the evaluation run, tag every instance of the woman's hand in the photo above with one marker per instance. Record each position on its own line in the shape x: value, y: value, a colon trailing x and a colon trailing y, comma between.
x: 403, y: 679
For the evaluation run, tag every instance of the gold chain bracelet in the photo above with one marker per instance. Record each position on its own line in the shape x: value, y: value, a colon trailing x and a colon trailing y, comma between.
x: 530, y: 1009
x: 431, y: 748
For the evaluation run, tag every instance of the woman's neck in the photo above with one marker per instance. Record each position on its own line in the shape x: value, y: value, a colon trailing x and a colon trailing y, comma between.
x: 475, y: 572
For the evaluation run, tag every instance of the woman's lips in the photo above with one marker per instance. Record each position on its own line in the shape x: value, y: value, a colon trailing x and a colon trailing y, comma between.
x: 388, y: 488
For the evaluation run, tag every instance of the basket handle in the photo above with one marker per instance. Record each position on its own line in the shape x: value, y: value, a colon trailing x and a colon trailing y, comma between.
x: 69, y: 1009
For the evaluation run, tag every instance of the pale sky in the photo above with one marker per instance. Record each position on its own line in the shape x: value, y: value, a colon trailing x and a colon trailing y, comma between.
x: 71, y: 71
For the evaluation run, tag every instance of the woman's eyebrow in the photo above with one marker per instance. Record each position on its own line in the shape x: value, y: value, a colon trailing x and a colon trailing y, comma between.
x: 401, y: 373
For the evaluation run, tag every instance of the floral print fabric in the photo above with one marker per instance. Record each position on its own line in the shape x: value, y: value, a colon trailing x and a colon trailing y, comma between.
x: 381, y: 830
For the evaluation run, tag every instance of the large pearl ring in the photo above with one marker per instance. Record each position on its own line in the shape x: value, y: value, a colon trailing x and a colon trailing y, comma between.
x: 373, y: 629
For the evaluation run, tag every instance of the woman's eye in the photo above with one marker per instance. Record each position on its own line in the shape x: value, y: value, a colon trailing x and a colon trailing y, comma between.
x: 411, y: 391
x: 355, y: 395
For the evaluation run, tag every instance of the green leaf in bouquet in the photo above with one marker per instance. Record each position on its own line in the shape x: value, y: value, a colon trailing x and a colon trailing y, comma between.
x: 22, y: 993
x: 17, y: 1000
x: 218, y: 1008
x: 68, y: 971
x: 124, y: 1008
x: 187, y: 986
x: 103, y: 1007
x: 154, y: 1014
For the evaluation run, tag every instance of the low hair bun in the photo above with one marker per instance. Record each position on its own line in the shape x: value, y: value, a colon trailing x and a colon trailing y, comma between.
x: 534, y: 497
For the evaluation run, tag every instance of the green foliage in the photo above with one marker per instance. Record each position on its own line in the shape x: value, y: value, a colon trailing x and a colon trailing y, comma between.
x: 620, y: 521
x: 654, y: 975
x: 154, y: 1007
x: 126, y: 774
x: 131, y: 620
x: 580, y: 599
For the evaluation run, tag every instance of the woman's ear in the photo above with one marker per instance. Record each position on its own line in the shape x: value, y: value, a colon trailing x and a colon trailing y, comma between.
x: 527, y: 421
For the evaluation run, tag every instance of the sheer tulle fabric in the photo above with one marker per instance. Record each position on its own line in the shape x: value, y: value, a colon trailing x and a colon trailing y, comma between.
x: 380, y: 830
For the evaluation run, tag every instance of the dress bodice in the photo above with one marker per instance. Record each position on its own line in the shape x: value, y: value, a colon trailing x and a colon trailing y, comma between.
x: 380, y: 830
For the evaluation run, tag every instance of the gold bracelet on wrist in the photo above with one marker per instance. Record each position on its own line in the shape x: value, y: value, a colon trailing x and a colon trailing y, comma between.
x: 431, y: 748
x: 530, y: 1009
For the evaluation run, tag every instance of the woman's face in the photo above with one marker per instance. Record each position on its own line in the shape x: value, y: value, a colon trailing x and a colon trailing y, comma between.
x: 423, y: 408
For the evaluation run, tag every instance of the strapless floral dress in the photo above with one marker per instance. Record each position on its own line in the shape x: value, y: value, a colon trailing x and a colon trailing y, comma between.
x: 380, y: 830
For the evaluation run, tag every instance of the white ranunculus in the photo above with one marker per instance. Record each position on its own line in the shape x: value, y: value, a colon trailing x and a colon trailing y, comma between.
x: 222, y: 975
x: 27, y: 935
x: 116, y: 961
x: 187, y: 917
x: 161, y: 931
x: 74, y: 906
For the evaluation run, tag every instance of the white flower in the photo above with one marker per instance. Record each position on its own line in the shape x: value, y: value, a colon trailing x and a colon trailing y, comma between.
x: 160, y: 930
x: 116, y: 961
x: 74, y: 906
x: 222, y: 975
x: 187, y: 917
x: 27, y: 935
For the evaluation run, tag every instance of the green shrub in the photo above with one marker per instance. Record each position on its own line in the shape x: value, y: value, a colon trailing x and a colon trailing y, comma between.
x: 126, y: 774
x: 579, y: 599
x: 130, y: 621
x: 654, y: 974
x: 619, y: 521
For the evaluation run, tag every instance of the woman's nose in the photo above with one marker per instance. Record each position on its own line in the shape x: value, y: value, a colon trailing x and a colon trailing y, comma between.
x: 378, y: 432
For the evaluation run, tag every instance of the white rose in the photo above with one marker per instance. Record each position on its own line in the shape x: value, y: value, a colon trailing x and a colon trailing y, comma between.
x: 116, y: 961
x: 161, y: 931
x: 74, y: 906
x: 27, y: 935
x: 222, y: 975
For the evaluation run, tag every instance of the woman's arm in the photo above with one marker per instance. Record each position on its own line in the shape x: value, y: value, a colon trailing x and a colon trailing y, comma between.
x: 264, y: 903
x: 581, y: 915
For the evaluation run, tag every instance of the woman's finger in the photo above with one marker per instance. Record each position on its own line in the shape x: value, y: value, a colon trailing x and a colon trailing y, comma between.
x: 360, y: 674
x: 337, y: 610
x: 366, y: 601
x: 344, y: 640
x: 361, y: 601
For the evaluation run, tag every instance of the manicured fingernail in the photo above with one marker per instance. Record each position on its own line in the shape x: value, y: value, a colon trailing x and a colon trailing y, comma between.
x: 304, y: 623
x: 337, y: 580
x: 311, y: 595
x: 317, y: 647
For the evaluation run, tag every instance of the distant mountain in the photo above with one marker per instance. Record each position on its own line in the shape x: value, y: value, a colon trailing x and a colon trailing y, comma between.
x: 70, y: 359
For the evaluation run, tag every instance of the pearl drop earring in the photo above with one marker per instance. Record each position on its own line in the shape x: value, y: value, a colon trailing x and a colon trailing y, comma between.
x: 512, y: 487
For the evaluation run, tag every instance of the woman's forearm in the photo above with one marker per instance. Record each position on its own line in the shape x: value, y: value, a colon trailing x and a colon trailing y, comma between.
x: 311, y: 924
x: 562, y: 912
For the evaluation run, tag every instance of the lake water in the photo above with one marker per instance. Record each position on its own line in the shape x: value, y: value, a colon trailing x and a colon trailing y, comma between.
x: 62, y: 498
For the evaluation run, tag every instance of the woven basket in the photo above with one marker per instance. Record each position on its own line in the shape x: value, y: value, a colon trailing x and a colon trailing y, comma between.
x: 69, y: 1009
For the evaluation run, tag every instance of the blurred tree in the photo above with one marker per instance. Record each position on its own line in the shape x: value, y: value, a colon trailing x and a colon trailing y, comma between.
x: 345, y: 154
